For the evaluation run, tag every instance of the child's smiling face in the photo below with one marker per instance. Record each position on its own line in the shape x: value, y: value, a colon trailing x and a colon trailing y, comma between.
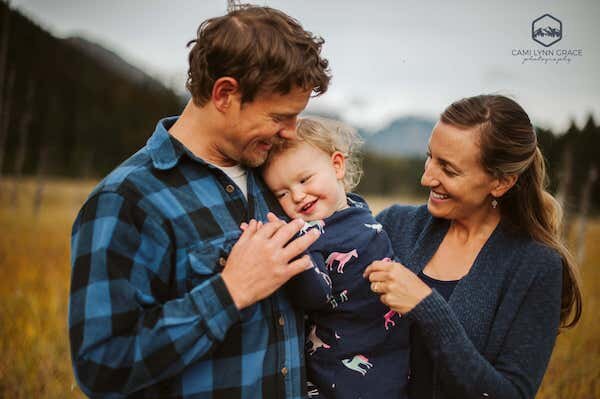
x: 307, y: 182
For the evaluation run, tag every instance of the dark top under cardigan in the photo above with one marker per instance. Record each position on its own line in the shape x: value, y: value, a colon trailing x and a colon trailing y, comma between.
x: 495, y: 335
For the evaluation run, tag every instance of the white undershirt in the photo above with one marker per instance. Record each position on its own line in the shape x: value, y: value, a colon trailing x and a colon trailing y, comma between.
x: 238, y: 175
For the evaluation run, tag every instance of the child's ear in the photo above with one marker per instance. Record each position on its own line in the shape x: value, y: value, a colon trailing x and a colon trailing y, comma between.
x: 338, y: 161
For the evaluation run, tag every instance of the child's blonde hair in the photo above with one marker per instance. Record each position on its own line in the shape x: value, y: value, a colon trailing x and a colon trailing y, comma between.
x: 329, y: 136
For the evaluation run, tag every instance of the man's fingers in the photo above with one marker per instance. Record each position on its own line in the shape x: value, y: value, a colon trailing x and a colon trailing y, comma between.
x: 301, y: 244
x: 286, y: 232
x: 299, y: 265
x: 267, y: 230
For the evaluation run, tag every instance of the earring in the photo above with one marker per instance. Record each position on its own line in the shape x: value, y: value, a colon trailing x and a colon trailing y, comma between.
x: 494, y: 203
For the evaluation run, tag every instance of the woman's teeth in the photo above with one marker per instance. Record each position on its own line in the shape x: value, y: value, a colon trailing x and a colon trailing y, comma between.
x: 438, y: 196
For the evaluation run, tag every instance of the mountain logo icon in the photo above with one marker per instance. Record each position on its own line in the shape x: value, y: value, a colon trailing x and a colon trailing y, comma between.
x: 546, y: 30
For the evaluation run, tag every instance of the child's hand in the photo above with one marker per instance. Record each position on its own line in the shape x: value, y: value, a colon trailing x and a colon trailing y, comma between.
x: 270, y: 216
x: 244, y: 225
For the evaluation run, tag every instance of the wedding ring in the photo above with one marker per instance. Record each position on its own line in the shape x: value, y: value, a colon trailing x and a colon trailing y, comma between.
x: 374, y: 286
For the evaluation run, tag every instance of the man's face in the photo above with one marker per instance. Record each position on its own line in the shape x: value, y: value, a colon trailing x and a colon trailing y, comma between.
x: 254, y: 126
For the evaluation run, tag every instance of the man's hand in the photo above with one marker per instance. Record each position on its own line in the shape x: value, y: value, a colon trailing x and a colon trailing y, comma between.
x: 259, y: 263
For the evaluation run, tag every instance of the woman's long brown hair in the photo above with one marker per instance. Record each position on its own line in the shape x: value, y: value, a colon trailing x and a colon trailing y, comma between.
x: 509, y: 147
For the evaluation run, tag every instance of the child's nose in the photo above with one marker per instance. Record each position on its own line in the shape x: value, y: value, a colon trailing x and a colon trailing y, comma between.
x: 298, y: 195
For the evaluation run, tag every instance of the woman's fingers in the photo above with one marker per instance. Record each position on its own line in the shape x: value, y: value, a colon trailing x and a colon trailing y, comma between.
x: 377, y: 266
x: 378, y: 276
x: 379, y: 287
x: 384, y: 299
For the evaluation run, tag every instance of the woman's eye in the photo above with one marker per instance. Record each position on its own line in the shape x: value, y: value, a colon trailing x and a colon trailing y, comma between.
x: 428, y: 154
x: 281, y: 195
x: 304, y: 180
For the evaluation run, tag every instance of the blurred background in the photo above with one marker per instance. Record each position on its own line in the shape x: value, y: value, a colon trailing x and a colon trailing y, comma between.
x: 83, y: 83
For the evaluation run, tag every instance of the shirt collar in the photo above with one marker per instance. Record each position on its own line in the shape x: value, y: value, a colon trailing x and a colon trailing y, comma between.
x: 164, y: 150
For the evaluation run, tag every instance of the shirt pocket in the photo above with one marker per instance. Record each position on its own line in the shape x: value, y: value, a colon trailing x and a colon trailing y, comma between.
x: 206, y: 260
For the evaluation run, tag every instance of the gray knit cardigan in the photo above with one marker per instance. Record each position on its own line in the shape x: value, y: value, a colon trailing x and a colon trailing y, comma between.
x: 494, y: 337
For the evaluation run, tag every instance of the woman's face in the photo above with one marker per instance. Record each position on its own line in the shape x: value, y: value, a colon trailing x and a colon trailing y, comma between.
x: 460, y: 187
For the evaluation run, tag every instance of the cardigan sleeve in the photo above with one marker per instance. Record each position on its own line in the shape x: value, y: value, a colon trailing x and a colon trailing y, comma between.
x: 519, y: 368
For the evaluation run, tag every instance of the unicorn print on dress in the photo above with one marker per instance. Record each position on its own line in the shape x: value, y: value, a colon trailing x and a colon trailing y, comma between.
x: 334, y: 301
x: 377, y: 227
x: 319, y: 224
x: 342, y: 258
x: 316, y: 341
x: 331, y: 301
x: 312, y: 390
x: 325, y: 276
x: 344, y: 296
x: 388, y: 319
x: 356, y: 362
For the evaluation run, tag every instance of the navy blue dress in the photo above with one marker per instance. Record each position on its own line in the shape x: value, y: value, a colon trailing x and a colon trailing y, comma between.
x: 356, y: 347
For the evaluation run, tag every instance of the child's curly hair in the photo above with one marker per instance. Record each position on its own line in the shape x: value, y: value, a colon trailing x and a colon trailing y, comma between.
x: 329, y: 136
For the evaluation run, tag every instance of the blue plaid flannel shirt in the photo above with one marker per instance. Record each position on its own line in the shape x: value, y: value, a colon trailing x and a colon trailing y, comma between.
x: 149, y: 314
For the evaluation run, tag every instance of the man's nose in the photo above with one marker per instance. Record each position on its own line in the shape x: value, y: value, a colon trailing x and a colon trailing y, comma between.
x: 288, y: 129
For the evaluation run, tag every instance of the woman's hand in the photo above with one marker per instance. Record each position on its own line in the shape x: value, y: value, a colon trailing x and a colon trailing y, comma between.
x: 400, y: 289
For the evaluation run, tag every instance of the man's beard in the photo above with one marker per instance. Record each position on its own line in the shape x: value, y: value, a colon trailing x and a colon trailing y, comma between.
x: 254, y: 160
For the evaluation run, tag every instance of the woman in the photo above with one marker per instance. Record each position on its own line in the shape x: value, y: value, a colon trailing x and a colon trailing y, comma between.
x: 484, y: 277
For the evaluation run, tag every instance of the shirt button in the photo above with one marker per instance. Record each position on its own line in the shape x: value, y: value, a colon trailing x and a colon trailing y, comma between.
x: 222, y: 261
x: 281, y: 321
x: 284, y: 371
x: 229, y: 188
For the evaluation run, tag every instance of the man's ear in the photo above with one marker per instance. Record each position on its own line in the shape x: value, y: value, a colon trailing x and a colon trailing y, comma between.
x: 225, y: 92
x: 503, y: 184
x: 338, y: 161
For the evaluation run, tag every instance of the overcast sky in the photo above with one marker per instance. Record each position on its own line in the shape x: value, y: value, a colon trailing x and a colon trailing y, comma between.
x: 388, y: 58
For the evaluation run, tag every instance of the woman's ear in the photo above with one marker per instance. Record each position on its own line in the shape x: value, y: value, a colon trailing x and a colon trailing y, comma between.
x: 503, y: 184
x: 338, y: 161
x: 224, y: 93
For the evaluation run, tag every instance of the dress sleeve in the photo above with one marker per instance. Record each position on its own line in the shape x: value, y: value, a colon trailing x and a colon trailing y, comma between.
x: 311, y: 289
x: 123, y: 336
x: 518, y: 370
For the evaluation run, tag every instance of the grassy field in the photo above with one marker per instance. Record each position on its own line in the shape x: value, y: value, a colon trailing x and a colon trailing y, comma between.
x: 34, y: 285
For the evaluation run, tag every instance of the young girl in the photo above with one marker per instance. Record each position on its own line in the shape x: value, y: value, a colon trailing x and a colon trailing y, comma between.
x: 356, y: 347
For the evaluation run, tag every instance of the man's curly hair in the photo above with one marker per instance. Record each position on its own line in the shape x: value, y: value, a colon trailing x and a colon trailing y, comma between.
x: 264, y: 49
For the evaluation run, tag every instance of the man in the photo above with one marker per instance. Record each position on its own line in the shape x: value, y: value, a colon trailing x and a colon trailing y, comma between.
x: 167, y: 300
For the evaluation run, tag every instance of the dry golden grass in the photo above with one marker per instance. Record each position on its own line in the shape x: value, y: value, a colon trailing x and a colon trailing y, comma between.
x: 34, y: 285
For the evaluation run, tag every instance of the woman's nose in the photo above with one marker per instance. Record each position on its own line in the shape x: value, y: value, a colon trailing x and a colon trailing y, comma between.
x: 428, y: 179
